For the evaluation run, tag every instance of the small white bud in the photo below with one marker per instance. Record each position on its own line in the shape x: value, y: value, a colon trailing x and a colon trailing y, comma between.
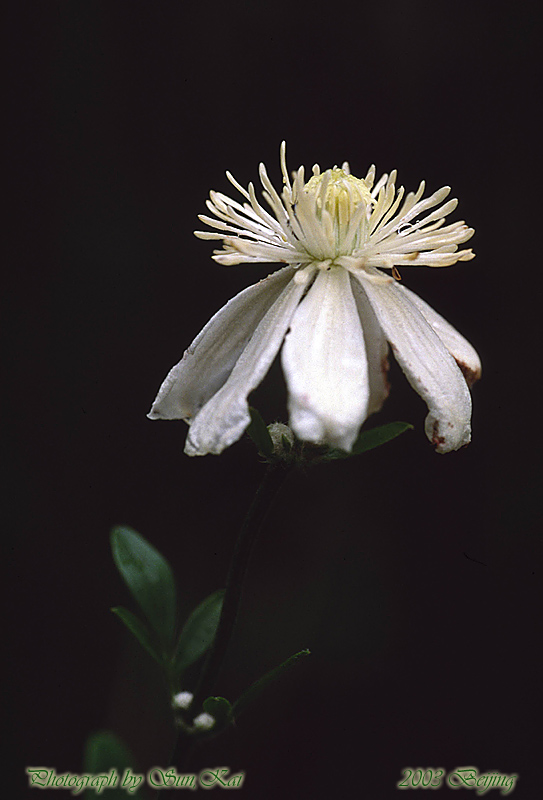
x: 182, y: 700
x: 204, y: 721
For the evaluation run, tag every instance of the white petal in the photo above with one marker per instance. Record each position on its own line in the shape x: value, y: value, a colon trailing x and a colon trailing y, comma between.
x: 460, y: 349
x: 211, y: 357
x: 376, y: 349
x: 427, y: 364
x: 324, y: 361
x: 224, y: 418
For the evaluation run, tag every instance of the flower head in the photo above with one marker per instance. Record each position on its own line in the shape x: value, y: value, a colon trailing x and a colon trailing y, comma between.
x: 333, y: 309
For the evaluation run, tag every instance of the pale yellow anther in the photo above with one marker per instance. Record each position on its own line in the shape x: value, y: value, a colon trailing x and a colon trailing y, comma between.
x: 342, y: 204
x: 342, y: 193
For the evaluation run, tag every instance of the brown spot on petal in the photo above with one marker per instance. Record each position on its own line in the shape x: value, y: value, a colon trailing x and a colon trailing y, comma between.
x: 413, y: 256
x: 471, y: 375
x: 437, y: 440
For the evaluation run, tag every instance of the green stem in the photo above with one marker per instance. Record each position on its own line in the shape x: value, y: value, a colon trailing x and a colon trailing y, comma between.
x: 272, y: 481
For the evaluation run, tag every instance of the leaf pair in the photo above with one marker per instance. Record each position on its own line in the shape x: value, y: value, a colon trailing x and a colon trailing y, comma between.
x: 150, y: 580
x: 367, y: 440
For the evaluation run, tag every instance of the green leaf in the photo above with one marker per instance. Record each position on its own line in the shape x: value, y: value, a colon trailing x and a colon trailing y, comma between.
x: 368, y: 440
x: 104, y: 751
x: 219, y: 708
x: 262, y: 683
x: 140, y: 630
x: 259, y: 433
x: 198, y: 631
x: 150, y: 579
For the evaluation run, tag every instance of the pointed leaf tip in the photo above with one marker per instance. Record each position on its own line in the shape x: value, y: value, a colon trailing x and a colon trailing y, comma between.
x: 262, y: 683
x: 370, y: 439
x: 198, y: 631
x: 149, y: 578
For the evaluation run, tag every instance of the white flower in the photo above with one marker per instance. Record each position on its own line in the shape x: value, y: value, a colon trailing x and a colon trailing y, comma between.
x: 331, y: 307
x: 203, y: 722
x: 182, y: 700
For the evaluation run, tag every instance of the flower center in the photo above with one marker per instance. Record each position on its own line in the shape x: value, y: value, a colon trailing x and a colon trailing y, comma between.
x: 342, y: 206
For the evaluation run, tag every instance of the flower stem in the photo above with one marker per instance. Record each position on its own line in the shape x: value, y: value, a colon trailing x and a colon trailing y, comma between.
x: 272, y: 481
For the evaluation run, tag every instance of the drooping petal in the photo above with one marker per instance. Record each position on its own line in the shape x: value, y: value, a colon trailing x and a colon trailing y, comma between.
x: 324, y: 361
x: 211, y: 357
x: 376, y: 349
x: 427, y: 364
x: 460, y: 349
x: 226, y: 415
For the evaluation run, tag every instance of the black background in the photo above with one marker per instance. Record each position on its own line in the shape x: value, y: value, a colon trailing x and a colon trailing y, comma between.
x: 413, y: 578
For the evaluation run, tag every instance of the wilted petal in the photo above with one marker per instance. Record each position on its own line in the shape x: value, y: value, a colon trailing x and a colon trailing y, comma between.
x: 376, y: 349
x: 226, y: 415
x: 460, y: 349
x: 324, y: 361
x: 428, y: 365
x: 211, y: 357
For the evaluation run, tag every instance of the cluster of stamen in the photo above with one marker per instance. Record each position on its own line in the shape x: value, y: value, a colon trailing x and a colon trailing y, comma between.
x: 342, y: 208
x: 335, y: 219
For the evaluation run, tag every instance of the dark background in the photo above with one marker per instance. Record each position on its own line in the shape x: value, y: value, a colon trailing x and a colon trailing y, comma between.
x: 413, y: 578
